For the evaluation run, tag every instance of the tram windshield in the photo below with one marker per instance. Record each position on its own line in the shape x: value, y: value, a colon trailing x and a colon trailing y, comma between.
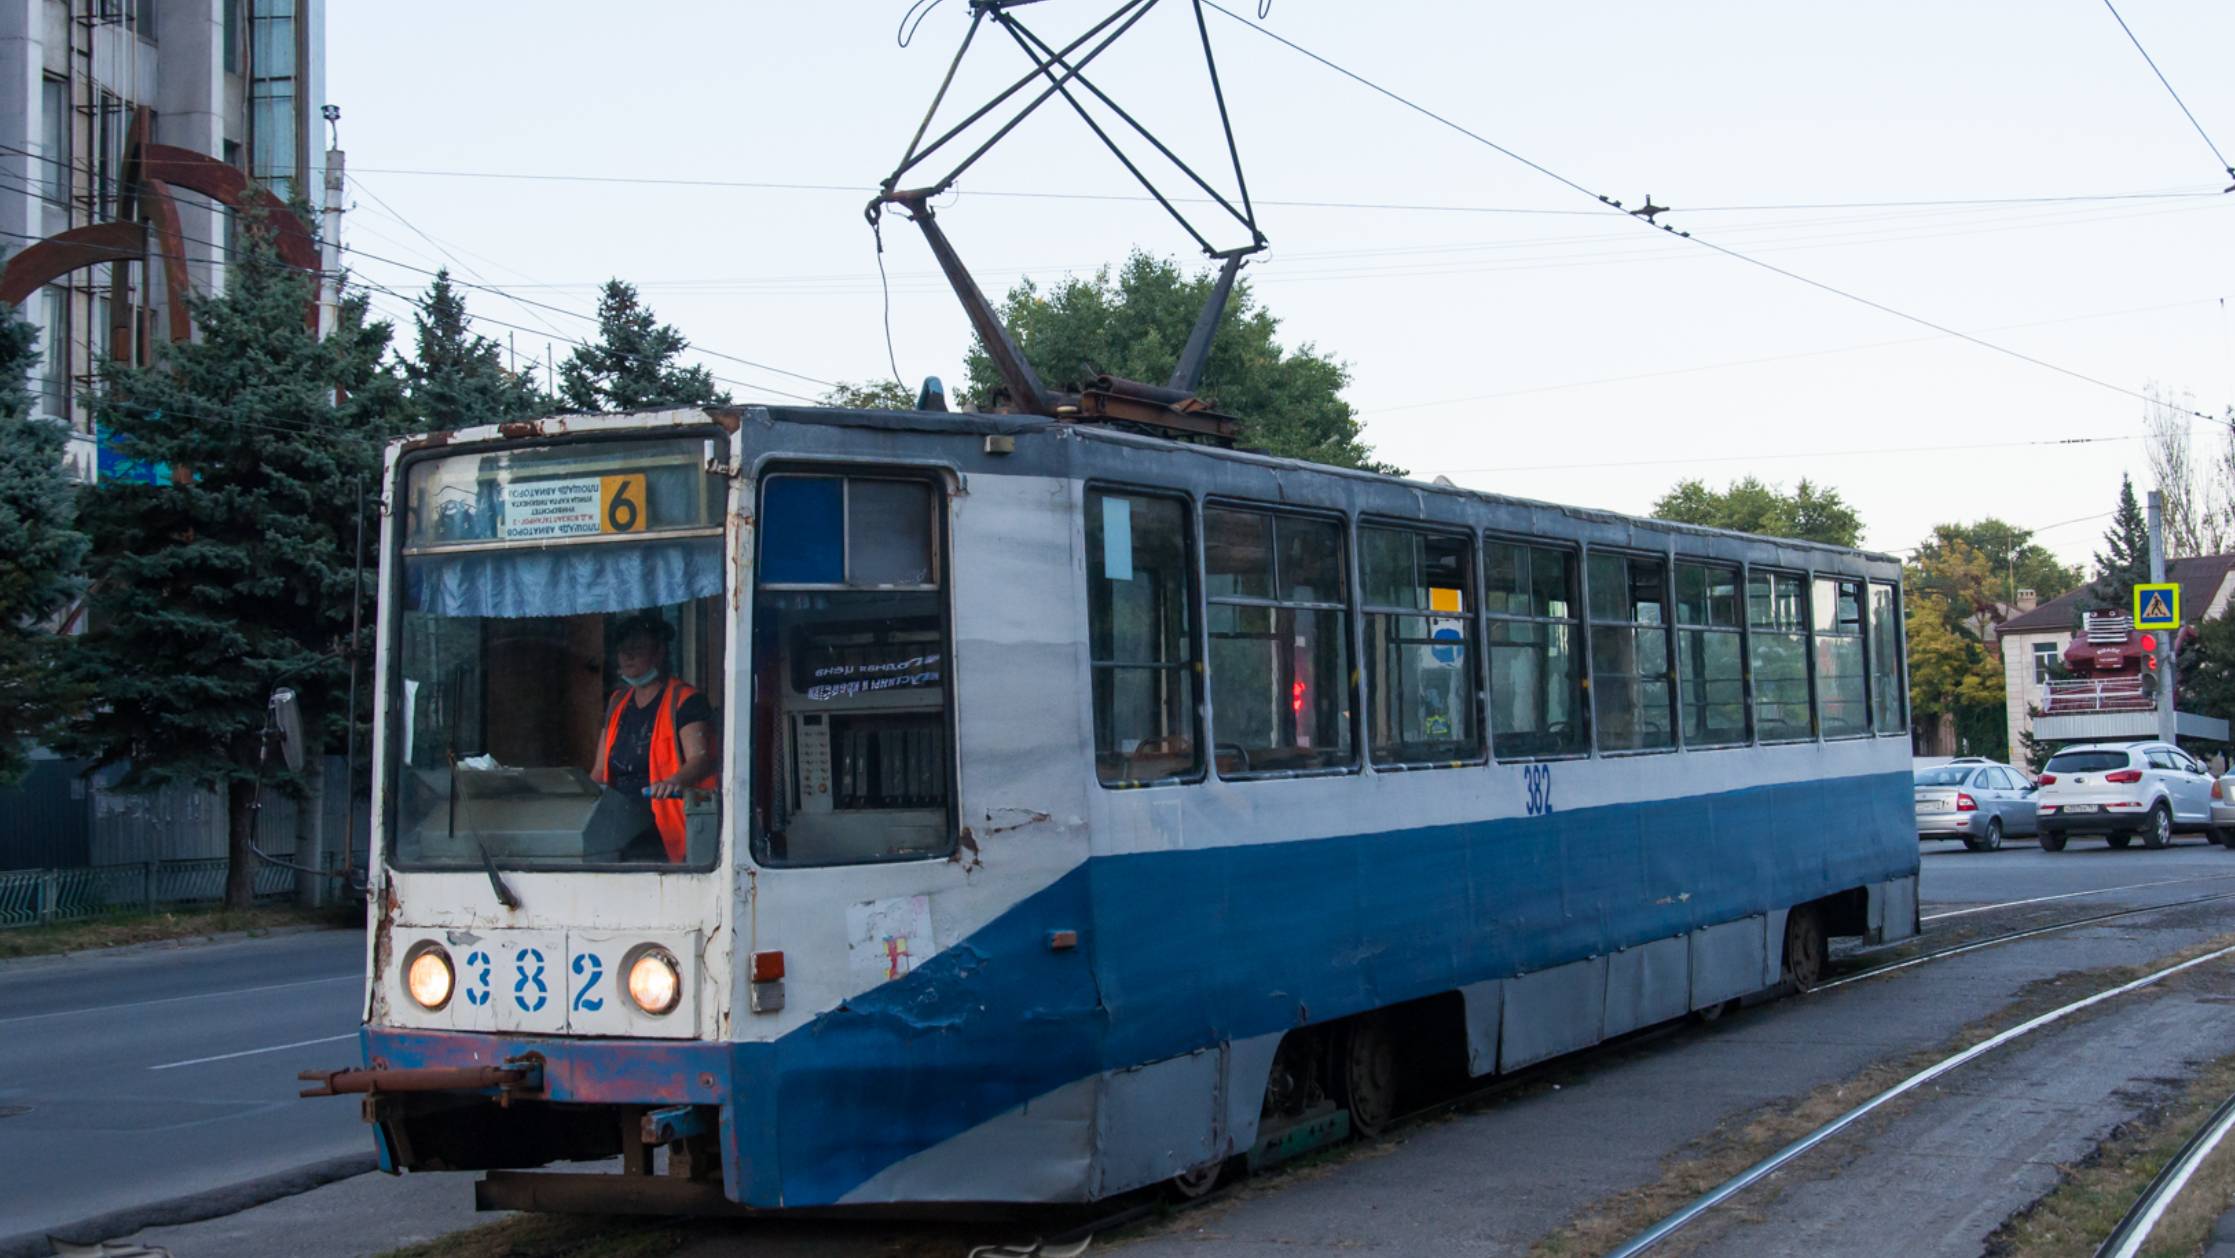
x: 557, y: 677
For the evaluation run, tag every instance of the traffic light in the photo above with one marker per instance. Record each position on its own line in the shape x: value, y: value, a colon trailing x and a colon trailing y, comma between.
x: 2149, y: 653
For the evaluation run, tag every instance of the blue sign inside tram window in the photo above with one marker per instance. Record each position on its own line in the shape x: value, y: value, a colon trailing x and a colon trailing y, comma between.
x: 803, y: 531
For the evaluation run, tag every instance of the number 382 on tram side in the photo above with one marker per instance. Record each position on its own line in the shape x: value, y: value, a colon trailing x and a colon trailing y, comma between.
x: 819, y: 807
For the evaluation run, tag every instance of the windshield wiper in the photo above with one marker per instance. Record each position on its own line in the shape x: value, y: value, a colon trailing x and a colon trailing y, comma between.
x: 496, y: 880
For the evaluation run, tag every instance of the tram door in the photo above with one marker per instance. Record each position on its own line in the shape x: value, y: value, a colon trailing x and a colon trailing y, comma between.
x: 850, y: 671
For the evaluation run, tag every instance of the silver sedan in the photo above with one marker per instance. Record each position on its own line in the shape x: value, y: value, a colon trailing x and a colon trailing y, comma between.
x: 1978, y: 803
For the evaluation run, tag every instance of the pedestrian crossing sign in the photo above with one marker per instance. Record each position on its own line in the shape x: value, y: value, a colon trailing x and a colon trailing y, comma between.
x: 2157, y: 606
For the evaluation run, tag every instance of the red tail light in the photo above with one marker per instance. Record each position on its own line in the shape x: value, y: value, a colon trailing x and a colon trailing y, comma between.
x: 2125, y: 777
x: 2215, y: 790
x: 2048, y: 779
x: 1964, y: 803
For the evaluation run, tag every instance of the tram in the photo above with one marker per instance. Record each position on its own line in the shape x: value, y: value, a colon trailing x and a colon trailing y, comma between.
x: 1086, y: 809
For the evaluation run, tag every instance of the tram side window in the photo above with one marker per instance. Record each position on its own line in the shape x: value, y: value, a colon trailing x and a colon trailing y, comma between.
x: 1536, y: 665
x: 850, y: 672
x: 1139, y: 571
x: 1279, y: 642
x: 1887, y: 701
x: 1710, y: 656
x: 1841, y: 696
x: 1777, y: 617
x: 1630, y: 692
x: 1420, y: 706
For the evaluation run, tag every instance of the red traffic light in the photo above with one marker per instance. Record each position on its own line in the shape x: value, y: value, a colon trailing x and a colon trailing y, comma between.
x: 2150, y: 661
x: 2149, y: 642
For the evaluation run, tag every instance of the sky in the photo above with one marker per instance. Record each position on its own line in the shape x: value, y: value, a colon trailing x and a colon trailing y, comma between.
x: 1500, y: 327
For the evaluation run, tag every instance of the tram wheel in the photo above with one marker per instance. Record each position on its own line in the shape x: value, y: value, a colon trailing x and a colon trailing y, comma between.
x: 1369, y: 1064
x: 1806, y: 949
x: 1193, y: 1184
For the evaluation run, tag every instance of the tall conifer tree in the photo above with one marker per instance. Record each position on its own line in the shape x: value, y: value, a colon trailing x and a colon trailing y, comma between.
x: 233, y: 574
x: 457, y: 379
x: 43, y: 551
x: 2124, y: 561
x: 631, y: 366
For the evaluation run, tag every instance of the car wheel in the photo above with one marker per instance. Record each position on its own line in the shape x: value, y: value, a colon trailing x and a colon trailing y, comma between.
x: 2157, y: 830
x: 2220, y: 835
x: 2118, y: 840
x: 2051, y: 841
x: 1991, y: 841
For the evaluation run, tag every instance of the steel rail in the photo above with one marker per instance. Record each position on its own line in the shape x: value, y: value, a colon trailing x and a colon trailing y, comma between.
x: 2141, y: 1218
x: 1763, y: 1169
x: 2011, y: 937
x: 2069, y: 895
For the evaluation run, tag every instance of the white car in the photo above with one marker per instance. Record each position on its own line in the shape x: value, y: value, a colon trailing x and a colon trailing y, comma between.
x: 2120, y: 790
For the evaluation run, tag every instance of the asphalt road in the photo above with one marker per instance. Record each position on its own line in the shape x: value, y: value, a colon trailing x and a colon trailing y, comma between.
x: 137, y: 1076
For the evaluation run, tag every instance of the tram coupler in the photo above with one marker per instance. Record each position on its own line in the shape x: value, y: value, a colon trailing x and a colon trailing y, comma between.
x: 518, y: 1076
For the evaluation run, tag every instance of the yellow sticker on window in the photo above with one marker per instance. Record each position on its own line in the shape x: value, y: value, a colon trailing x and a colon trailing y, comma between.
x: 621, y: 503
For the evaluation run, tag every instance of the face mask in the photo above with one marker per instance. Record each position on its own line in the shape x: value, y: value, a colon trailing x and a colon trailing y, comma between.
x: 642, y: 679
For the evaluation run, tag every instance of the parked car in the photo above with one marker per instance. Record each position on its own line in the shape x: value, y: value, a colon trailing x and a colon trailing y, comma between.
x: 2223, y: 807
x: 1976, y: 800
x: 2120, y: 790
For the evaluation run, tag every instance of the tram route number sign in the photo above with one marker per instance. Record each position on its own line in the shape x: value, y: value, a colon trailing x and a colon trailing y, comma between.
x: 2157, y: 606
x: 574, y: 506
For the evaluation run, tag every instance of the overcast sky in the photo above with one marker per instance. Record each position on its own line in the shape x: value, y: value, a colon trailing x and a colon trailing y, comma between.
x: 1494, y: 334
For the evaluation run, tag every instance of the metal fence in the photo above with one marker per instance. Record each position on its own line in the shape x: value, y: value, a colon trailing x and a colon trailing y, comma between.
x: 33, y: 897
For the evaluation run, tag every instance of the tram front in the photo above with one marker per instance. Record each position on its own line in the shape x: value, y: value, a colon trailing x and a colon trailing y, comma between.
x: 552, y: 915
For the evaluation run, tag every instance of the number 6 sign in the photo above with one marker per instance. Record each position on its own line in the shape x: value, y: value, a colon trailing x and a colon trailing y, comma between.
x: 621, y: 503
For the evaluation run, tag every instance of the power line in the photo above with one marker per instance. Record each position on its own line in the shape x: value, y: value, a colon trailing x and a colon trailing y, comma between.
x: 1041, y: 195
x: 1615, y: 206
x: 2136, y: 41
x: 1753, y: 456
x: 366, y: 188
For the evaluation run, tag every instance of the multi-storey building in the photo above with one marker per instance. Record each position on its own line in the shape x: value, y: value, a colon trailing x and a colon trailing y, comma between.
x: 241, y: 81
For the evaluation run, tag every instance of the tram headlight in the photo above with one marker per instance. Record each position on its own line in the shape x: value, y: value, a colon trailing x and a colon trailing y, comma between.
x: 428, y: 977
x: 655, y: 981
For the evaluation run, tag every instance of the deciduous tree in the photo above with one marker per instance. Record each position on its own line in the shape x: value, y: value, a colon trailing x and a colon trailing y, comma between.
x: 1751, y: 506
x: 43, y: 547
x: 1135, y: 323
x: 234, y: 574
x: 631, y: 366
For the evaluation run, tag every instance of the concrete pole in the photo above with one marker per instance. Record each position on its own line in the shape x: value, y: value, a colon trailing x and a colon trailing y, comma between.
x: 2165, y: 684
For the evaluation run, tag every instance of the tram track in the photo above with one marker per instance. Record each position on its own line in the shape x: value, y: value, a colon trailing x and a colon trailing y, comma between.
x: 2141, y: 1219
x: 1158, y: 1201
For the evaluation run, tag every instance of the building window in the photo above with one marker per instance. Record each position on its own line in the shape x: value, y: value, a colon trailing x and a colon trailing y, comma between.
x: 1280, y: 642
x: 1889, y: 706
x: 271, y: 95
x: 2047, y: 657
x: 1631, y: 699
x: 53, y: 382
x: 1777, y: 644
x: 1420, y: 692
x: 1140, y: 633
x: 1710, y: 656
x: 1841, y: 701
x: 108, y: 153
x: 1536, y: 659
x: 54, y: 124
x: 230, y: 19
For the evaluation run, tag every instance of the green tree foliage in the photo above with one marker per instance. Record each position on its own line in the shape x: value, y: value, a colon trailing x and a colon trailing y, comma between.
x: 457, y: 378
x: 236, y: 574
x: 2018, y: 562
x: 631, y: 365
x: 44, y: 549
x: 1751, y: 506
x: 2207, y: 670
x: 1955, y: 679
x: 1135, y: 323
x: 871, y: 395
x: 2124, y: 561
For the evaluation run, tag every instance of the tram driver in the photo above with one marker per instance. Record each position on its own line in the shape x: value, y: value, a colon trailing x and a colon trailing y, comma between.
x: 655, y: 743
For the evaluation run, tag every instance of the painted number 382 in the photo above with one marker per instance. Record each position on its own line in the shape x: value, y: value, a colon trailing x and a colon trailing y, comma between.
x: 1536, y: 779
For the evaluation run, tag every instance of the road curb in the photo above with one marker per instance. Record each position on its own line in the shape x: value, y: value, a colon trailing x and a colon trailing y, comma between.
x: 8, y: 964
x: 192, y: 1208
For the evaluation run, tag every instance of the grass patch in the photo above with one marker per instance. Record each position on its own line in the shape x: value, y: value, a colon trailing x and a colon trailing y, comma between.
x: 1744, y: 1139
x: 2094, y: 1194
x: 176, y: 924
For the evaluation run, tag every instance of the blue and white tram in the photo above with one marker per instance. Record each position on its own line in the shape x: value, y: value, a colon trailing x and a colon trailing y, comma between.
x: 1093, y: 808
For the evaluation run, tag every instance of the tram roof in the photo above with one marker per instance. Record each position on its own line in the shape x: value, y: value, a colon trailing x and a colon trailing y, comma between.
x: 969, y: 422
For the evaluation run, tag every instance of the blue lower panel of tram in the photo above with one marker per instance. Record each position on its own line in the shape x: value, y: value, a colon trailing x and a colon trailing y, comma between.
x: 1189, y: 949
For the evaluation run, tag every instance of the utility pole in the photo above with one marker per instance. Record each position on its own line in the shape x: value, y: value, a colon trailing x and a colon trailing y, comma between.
x: 2167, y: 678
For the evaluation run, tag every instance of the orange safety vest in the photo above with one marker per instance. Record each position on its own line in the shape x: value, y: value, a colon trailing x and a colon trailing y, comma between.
x: 663, y: 759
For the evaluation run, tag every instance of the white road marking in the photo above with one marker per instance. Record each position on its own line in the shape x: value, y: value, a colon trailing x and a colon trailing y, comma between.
x: 251, y: 1052
x: 171, y: 1000
x: 2070, y: 895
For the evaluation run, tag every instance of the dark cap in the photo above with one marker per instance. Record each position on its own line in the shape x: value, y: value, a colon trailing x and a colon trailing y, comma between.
x: 643, y: 625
